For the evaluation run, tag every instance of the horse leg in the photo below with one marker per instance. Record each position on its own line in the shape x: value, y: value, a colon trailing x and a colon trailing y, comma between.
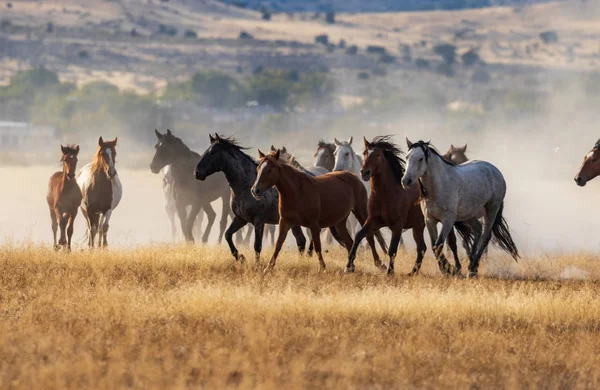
x: 93, y: 228
x: 491, y: 213
x: 248, y: 236
x: 284, y: 227
x: 210, y: 213
x: 362, y: 233
x: 445, y: 267
x: 101, y: 221
x: 236, y: 225
x: 182, y: 214
x: 315, y: 232
x: 70, y: 231
x: 54, y: 226
x: 258, y: 237
x: 452, y: 245
x: 63, y: 231
x: 271, y: 231
x: 300, y: 239
x: 197, y: 228
x: 394, y: 242
x: 311, y: 245
x: 105, y: 226
x: 225, y: 211
x: 344, y: 234
x: 419, y: 238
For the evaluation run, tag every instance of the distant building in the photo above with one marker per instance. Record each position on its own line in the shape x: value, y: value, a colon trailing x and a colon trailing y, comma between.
x: 21, y: 135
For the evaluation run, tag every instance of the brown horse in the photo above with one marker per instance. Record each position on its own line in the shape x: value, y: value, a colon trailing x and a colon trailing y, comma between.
x: 101, y: 190
x: 390, y: 205
x: 64, y: 197
x: 456, y: 155
x: 312, y: 202
x: 590, y: 167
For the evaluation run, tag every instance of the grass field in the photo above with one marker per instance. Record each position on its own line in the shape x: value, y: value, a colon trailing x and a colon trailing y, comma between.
x: 188, y: 317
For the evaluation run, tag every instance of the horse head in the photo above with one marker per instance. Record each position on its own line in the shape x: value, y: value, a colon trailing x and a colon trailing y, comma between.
x: 456, y: 155
x: 325, y: 155
x: 106, y: 156
x: 416, y: 162
x: 166, y: 150
x: 69, y: 159
x: 590, y: 168
x: 267, y: 173
x: 344, y: 156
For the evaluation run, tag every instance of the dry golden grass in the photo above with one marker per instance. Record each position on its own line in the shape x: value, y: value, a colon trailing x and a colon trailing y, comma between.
x: 176, y: 317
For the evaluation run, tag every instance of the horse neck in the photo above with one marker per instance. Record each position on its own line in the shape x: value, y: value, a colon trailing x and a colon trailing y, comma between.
x: 436, y: 176
x: 183, y: 164
x: 240, y: 172
x: 385, y: 182
x: 287, y: 185
x: 356, y: 165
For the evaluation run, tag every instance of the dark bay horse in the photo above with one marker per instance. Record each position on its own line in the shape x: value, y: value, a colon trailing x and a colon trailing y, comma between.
x: 390, y: 205
x: 64, y: 197
x: 171, y: 150
x: 225, y: 155
x: 313, y: 202
x: 590, y: 168
x: 101, y: 190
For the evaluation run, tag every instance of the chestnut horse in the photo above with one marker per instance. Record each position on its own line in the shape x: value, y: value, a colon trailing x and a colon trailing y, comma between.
x: 312, y: 202
x: 590, y: 167
x: 390, y: 205
x: 64, y: 197
x: 101, y: 190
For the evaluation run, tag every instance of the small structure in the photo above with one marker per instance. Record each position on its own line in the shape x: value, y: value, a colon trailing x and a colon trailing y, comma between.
x: 17, y: 135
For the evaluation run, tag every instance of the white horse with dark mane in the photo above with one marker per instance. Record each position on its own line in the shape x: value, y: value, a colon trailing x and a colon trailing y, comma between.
x: 457, y: 193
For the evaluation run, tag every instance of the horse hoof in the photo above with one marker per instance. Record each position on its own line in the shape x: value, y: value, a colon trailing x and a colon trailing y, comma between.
x: 390, y: 272
x: 473, y: 275
x: 383, y: 267
x: 412, y: 273
x: 349, y: 270
x: 242, y: 259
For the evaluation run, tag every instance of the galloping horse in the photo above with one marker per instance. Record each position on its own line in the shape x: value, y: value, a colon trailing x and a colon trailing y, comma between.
x: 171, y: 150
x: 324, y: 156
x: 64, y: 197
x: 225, y: 155
x: 101, y: 190
x: 291, y: 160
x: 313, y: 202
x: 590, y: 167
x: 457, y: 193
x: 390, y: 205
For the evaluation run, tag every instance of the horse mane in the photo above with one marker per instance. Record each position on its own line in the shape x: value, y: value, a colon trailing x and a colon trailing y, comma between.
x: 392, y: 153
x: 427, y: 148
x: 325, y: 145
x: 233, y: 144
x: 597, y: 145
x: 98, y: 164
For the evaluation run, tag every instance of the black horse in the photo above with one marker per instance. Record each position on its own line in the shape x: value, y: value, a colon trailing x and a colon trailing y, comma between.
x: 171, y: 150
x: 225, y: 155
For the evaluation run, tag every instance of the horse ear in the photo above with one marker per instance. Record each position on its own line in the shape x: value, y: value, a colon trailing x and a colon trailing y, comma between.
x: 169, y: 133
x: 277, y: 153
x: 428, y: 141
x: 283, y: 150
x: 408, y: 143
x: 350, y: 141
x: 158, y: 134
x: 115, y: 141
x: 212, y: 140
x: 452, y: 147
x: 261, y: 155
x: 366, y: 142
x: 336, y: 141
x: 100, y: 141
x: 217, y: 137
x: 464, y: 148
x: 62, y: 148
x: 273, y: 148
x: 76, y: 149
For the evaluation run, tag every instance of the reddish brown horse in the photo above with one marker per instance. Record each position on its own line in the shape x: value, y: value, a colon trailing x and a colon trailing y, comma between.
x: 312, y: 202
x: 64, y: 197
x: 390, y: 205
x: 590, y: 167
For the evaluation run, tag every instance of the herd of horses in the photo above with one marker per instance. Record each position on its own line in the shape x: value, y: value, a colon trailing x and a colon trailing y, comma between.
x: 341, y: 190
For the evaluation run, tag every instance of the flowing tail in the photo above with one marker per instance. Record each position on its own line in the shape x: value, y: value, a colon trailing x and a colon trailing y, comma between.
x: 501, y: 232
x: 467, y: 234
x: 381, y: 241
x: 336, y: 236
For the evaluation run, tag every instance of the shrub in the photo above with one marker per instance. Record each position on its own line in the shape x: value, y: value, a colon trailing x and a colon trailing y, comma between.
x: 352, y: 50
x: 330, y: 17
x: 373, y: 49
x: 245, y: 35
x: 421, y: 63
x: 190, y: 34
x: 470, y: 58
x: 322, y: 39
x: 446, y: 51
x: 549, y: 36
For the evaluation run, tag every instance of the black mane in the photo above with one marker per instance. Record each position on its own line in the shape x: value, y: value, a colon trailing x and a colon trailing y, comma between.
x: 232, y: 144
x: 427, y: 149
x: 392, y: 153
x: 597, y: 145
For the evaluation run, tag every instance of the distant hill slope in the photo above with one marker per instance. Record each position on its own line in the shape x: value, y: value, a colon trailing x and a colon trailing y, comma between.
x: 375, y: 5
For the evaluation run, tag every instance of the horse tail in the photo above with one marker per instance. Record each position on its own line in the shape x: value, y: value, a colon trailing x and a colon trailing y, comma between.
x: 336, y: 236
x: 501, y: 232
x: 381, y: 241
x: 467, y: 234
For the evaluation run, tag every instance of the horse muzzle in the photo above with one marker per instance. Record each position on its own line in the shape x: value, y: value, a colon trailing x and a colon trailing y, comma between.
x: 112, y: 173
x: 581, y: 182
x: 71, y: 175
x: 365, y: 174
x: 200, y: 175
x: 407, y: 183
x: 154, y: 169
x: 257, y: 193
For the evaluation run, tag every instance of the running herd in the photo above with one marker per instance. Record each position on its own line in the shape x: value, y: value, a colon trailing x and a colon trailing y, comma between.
x: 341, y: 191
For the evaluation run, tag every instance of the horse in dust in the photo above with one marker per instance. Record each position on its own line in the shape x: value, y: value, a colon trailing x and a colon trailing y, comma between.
x: 313, y: 202
x: 314, y: 170
x: 590, y: 168
x: 226, y: 156
x: 64, y: 197
x: 101, y: 190
x: 456, y: 155
x: 325, y: 155
x: 390, y: 205
x: 171, y: 150
x: 452, y: 194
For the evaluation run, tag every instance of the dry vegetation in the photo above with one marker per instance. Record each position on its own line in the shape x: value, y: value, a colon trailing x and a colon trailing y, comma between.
x: 167, y: 316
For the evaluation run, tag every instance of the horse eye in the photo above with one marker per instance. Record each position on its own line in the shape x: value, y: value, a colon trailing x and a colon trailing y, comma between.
x: 594, y: 159
x: 421, y: 159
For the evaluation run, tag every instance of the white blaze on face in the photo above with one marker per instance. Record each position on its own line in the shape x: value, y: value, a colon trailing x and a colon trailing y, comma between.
x: 589, y: 155
x: 111, y: 164
x: 260, y: 171
x: 369, y: 151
